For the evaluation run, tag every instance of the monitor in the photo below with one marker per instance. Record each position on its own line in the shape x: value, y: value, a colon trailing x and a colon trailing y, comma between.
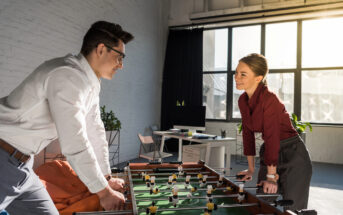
x: 191, y: 118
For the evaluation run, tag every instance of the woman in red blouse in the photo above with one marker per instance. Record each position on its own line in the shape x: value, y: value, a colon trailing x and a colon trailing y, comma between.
x: 285, y: 162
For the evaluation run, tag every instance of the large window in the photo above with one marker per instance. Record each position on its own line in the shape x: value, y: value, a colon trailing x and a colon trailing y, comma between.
x: 305, y: 67
x: 215, y: 58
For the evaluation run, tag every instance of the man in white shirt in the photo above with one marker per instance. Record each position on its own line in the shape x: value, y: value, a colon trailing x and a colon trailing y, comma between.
x: 60, y: 99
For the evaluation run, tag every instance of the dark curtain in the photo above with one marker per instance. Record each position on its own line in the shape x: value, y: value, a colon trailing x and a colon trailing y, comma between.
x: 182, y: 75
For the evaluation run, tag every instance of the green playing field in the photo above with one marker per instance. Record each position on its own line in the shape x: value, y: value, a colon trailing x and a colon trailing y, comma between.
x: 142, y: 205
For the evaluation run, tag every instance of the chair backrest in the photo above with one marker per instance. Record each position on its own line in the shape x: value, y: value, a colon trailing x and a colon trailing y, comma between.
x: 145, y: 139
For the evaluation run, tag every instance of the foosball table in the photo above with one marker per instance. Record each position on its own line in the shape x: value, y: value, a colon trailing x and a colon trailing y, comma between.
x: 191, y: 188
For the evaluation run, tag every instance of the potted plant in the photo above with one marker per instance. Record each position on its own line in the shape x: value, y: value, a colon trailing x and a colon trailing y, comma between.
x: 300, y: 126
x: 111, y: 123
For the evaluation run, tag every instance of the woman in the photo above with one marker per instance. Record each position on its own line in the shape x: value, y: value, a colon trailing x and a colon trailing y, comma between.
x: 285, y: 162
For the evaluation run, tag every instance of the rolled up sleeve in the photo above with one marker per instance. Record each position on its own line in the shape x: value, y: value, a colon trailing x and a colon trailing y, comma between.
x: 67, y: 92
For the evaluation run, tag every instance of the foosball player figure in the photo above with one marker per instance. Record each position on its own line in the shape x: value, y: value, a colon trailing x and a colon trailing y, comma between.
x: 170, y: 182
x: 180, y: 169
x: 193, y: 190
x: 203, y: 181
x: 187, y: 181
x: 241, y: 194
x: 152, y: 210
x: 152, y: 181
x: 220, y: 180
x: 211, y: 206
x: 147, y: 180
x: 175, y: 198
x: 174, y: 176
x: 209, y: 192
x: 154, y: 190
x: 199, y: 176
x: 228, y: 188
x: 206, y: 212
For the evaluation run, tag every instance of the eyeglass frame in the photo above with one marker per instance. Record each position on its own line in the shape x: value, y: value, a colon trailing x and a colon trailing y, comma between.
x: 115, y: 50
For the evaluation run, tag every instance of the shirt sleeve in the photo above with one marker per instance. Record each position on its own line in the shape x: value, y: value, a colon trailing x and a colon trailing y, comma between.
x: 248, y: 135
x: 248, y: 141
x: 97, y: 136
x: 67, y: 92
x: 271, y: 130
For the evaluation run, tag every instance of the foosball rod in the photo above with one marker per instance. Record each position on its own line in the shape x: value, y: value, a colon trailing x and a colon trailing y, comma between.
x: 165, y: 179
x: 183, y: 183
x: 160, y: 170
x: 198, y: 189
x: 169, y: 173
x: 201, y: 197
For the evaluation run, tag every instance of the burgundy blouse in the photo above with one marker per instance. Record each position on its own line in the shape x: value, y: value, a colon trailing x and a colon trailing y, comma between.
x: 265, y: 113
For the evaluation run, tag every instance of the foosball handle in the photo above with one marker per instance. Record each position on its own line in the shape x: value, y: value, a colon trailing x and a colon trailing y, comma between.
x: 307, y: 212
x: 239, y: 176
x: 116, y: 170
x: 284, y: 202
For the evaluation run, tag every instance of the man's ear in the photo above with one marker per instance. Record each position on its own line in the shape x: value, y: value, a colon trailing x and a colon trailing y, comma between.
x: 100, y: 49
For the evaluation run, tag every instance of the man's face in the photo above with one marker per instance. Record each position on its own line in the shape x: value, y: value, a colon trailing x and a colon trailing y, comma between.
x: 111, y: 60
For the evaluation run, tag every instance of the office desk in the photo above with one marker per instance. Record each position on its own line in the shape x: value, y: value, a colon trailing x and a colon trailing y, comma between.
x: 208, y: 143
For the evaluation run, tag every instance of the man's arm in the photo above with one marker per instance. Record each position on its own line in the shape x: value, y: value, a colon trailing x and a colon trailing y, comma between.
x: 66, y: 93
x: 97, y: 136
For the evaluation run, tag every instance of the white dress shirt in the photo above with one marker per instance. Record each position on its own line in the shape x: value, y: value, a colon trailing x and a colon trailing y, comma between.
x: 60, y: 99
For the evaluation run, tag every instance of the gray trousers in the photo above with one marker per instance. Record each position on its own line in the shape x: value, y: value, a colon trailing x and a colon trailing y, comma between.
x: 294, y: 169
x: 21, y: 191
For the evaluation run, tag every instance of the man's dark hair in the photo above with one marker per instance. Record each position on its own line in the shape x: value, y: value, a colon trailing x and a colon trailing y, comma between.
x: 104, y: 32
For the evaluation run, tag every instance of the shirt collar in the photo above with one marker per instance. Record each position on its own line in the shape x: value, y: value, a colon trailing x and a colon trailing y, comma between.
x: 89, y: 71
x: 254, y: 98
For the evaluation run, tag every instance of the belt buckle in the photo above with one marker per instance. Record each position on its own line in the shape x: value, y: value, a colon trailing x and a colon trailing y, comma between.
x: 17, y: 160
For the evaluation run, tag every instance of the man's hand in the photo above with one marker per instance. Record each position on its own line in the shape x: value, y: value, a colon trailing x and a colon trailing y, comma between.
x: 117, y: 184
x: 269, y: 186
x: 110, y: 199
x: 247, y: 175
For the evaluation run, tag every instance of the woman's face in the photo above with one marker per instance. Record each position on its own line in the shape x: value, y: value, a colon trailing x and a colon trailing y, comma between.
x: 245, y: 78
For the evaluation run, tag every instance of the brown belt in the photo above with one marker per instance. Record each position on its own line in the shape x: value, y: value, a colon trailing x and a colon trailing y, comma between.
x: 10, y: 149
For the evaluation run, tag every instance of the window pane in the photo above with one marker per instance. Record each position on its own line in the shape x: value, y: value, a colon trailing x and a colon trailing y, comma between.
x: 322, y: 43
x: 322, y: 93
x: 281, y: 45
x: 215, y: 50
x: 245, y: 40
x: 214, y: 95
x: 236, y: 114
x: 282, y: 84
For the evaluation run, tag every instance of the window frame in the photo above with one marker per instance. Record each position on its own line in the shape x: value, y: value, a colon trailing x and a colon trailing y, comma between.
x: 296, y: 71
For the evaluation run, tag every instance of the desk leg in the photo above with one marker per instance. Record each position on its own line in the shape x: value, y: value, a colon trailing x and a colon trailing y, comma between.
x: 162, y: 143
x: 208, y: 154
x: 180, y: 150
x: 228, y: 159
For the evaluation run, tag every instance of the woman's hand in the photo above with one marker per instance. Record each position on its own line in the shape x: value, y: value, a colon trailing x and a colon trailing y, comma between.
x: 247, y: 175
x: 269, y: 186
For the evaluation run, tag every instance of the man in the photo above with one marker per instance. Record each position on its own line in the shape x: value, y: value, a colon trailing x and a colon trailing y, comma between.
x: 60, y: 99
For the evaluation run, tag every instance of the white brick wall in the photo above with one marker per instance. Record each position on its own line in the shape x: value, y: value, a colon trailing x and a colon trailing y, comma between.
x: 32, y: 31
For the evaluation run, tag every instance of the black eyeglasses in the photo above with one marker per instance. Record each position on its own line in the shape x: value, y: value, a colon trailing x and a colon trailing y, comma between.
x: 119, y: 52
